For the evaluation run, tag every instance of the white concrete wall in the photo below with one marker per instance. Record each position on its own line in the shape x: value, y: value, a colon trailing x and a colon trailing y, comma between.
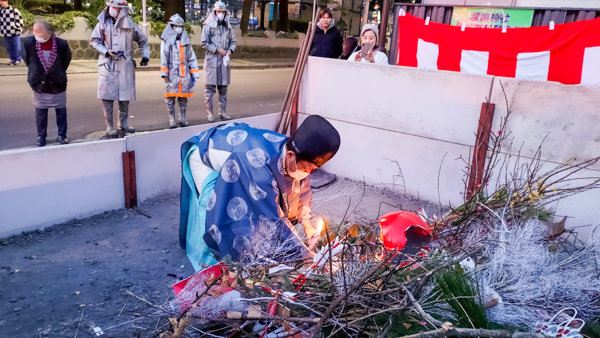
x: 565, y: 121
x: 82, y: 32
x: 158, y: 159
x: 419, y: 118
x: 395, y: 113
x: 44, y: 186
x: 40, y: 187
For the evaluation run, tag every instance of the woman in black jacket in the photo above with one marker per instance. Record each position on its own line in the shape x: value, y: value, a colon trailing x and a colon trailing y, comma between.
x: 328, y: 39
x: 47, y: 58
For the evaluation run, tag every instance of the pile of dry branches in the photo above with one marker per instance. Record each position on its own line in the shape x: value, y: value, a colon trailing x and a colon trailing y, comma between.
x: 358, y: 288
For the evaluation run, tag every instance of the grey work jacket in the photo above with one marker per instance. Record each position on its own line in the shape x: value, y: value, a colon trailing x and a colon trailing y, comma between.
x: 217, y: 35
x: 178, y: 63
x: 116, y: 77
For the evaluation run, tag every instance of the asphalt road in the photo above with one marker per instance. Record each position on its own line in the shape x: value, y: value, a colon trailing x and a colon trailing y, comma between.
x: 252, y: 92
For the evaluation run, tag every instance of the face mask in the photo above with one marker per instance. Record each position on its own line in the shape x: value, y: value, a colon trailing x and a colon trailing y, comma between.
x: 178, y: 30
x: 40, y: 40
x: 113, y: 12
x: 299, y: 175
x: 220, y: 16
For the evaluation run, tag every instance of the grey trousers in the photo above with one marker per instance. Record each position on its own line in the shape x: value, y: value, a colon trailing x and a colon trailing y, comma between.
x: 107, y: 105
x: 209, y: 91
x: 170, y: 101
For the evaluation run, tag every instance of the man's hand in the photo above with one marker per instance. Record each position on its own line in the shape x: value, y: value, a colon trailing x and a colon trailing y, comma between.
x: 221, y: 51
x: 166, y: 79
x: 144, y: 62
x: 229, y: 52
x: 111, y: 53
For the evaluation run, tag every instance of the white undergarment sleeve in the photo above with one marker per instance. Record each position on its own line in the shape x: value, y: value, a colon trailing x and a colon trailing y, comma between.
x: 199, y: 170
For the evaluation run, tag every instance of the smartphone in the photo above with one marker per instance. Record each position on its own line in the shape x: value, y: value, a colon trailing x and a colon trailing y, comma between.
x: 366, y: 50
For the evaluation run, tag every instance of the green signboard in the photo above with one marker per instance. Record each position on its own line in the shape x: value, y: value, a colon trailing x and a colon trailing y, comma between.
x: 491, y: 17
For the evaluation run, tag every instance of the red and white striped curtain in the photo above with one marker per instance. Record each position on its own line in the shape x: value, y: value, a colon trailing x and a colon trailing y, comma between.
x: 569, y: 53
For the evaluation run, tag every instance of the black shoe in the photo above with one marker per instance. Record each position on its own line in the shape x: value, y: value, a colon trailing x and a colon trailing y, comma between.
x: 41, y: 141
x: 62, y: 140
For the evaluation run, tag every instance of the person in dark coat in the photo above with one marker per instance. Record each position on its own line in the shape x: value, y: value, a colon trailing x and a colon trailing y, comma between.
x: 47, y: 58
x: 328, y: 40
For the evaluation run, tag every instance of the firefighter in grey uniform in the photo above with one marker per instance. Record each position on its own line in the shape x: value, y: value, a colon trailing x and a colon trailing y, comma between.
x: 113, y: 38
x: 219, y: 42
x: 178, y: 68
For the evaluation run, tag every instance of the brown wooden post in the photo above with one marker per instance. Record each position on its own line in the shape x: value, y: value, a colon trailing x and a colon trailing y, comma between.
x: 385, y: 14
x: 294, y: 123
x: 129, y: 179
x: 481, y: 146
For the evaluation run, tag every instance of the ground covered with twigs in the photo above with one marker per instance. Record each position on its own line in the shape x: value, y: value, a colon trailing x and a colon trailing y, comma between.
x: 67, y: 279
x: 500, y: 264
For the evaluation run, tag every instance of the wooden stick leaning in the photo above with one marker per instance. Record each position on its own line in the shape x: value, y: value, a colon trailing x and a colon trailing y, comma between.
x: 296, y: 87
x: 295, y: 83
x: 286, y: 105
x: 289, y: 89
x: 294, y: 74
x: 305, y: 49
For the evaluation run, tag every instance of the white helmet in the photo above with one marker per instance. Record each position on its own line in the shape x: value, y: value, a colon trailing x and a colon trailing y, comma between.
x: 117, y: 3
x: 176, y: 20
x: 220, y: 6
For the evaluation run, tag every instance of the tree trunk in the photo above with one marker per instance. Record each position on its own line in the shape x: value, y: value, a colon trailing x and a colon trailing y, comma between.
x: 77, y: 5
x: 174, y: 7
x: 247, y: 6
x: 275, y: 15
x: 284, y: 16
x: 262, y: 15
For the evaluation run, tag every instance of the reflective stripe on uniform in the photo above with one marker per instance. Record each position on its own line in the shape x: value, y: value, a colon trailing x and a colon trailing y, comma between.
x: 179, y: 95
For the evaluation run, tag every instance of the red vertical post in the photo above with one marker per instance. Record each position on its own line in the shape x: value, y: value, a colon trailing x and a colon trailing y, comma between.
x: 129, y: 179
x: 481, y: 147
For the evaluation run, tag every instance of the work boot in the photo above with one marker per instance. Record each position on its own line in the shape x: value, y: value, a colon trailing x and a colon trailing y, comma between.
x: 224, y: 116
x: 172, y: 123
x: 123, y: 123
x: 110, y: 129
x: 182, y: 121
x: 209, y: 111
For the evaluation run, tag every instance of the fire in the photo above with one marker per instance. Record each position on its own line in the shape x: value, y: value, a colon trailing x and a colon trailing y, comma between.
x: 321, y: 225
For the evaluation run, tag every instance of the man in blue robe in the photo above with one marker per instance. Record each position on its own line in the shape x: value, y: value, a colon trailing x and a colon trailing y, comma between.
x: 245, y: 191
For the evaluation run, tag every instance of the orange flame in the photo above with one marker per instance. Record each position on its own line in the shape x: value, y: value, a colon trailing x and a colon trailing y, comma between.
x: 321, y: 225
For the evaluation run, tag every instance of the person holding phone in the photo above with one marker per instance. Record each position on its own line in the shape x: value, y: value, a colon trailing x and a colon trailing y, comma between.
x: 368, y: 54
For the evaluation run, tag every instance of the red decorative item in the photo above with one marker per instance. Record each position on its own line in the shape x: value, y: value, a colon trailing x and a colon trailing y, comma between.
x: 402, y: 229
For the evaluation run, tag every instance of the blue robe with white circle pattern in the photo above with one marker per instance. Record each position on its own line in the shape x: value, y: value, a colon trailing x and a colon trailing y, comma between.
x: 249, y: 210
